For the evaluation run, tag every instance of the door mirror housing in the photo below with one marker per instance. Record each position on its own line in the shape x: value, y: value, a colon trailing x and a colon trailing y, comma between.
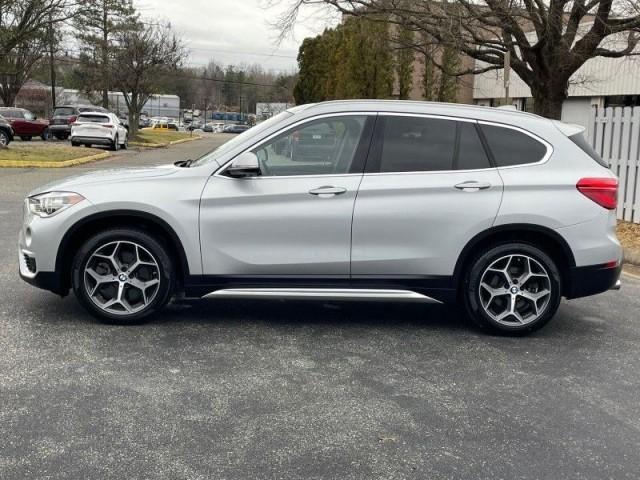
x: 244, y: 165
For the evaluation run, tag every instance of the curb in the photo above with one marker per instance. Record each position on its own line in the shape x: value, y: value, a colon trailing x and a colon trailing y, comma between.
x: 631, y: 256
x: 45, y: 164
x: 162, y: 145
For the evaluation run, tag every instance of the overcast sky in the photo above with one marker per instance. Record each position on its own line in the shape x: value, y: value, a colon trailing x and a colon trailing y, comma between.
x: 233, y: 31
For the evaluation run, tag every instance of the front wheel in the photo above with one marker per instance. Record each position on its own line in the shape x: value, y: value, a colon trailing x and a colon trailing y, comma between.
x: 45, y: 135
x: 4, y: 138
x: 513, y: 288
x: 125, y: 144
x: 122, y: 275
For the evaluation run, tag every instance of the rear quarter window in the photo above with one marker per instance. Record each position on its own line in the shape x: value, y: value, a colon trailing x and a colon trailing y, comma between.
x: 511, y: 147
x: 582, y: 143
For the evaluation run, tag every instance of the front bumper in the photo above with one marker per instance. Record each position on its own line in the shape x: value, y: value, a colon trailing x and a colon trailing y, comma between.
x: 593, y: 279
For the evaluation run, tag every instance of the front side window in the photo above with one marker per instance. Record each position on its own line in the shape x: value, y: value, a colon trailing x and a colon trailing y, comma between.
x: 320, y: 147
x: 511, y: 147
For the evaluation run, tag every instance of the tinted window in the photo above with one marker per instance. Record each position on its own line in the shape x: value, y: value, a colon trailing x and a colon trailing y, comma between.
x: 471, y: 153
x: 13, y: 113
x: 320, y: 147
x: 93, y: 119
x: 414, y: 144
x: 511, y: 147
x: 581, y: 142
x: 63, y: 112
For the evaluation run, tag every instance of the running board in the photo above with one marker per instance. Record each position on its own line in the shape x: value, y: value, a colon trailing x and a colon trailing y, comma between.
x: 329, y: 293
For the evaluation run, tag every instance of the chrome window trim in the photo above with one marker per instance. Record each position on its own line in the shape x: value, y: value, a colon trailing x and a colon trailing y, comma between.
x: 548, y: 146
x: 220, y: 171
x: 544, y: 159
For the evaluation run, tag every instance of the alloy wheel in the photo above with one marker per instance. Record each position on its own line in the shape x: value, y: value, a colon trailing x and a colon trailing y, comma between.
x: 122, y: 278
x: 515, y: 290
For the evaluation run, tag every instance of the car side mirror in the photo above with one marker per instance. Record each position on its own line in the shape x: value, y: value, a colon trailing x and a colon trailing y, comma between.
x: 244, y: 165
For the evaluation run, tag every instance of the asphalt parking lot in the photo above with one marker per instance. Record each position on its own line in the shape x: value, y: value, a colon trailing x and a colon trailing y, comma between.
x: 237, y: 389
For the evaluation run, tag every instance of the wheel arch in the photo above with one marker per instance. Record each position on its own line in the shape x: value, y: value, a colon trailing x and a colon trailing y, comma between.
x: 541, y: 237
x: 84, y: 228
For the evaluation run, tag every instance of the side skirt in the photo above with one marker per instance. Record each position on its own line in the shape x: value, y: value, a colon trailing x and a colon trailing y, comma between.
x: 437, y: 289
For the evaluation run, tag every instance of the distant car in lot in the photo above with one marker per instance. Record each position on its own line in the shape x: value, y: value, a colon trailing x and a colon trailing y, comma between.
x: 501, y: 212
x: 6, y: 132
x: 236, y: 128
x: 99, y: 128
x: 64, y: 115
x: 25, y: 124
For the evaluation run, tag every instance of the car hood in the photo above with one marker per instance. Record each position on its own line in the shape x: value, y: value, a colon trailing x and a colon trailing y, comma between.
x: 106, y: 176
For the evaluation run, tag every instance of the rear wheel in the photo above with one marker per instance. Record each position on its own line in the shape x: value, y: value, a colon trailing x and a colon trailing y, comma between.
x: 45, y: 135
x: 115, y: 146
x: 74, y: 144
x: 125, y: 144
x: 122, y: 275
x: 513, y: 288
x: 25, y: 138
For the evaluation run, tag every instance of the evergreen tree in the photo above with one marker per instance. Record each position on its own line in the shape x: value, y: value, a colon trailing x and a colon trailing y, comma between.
x: 98, y: 23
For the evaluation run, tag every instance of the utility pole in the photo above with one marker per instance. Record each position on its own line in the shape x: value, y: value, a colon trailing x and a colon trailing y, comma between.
x: 52, y: 63
x: 507, y: 75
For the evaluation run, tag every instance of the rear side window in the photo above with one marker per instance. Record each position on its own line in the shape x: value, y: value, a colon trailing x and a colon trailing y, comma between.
x: 471, y: 152
x: 582, y: 143
x: 93, y: 119
x: 13, y: 114
x: 414, y: 144
x: 512, y: 147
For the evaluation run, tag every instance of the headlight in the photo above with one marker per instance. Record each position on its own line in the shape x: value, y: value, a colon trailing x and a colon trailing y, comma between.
x: 48, y: 204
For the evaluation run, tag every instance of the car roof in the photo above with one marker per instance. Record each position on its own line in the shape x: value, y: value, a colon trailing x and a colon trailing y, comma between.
x: 463, y: 111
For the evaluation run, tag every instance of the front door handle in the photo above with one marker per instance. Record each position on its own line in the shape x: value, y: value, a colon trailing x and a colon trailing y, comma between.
x: 472, y: 186
x: 327, y: 191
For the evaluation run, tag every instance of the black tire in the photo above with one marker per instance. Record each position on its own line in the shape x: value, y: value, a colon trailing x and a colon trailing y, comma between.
x: 115, y: 145
x: 125, y: 144
x: 25, y: 138
x: 155, y: 247
x: 471, y: 289
x: 4, y: 138
x: 45, y: 135
x: 75, y: 144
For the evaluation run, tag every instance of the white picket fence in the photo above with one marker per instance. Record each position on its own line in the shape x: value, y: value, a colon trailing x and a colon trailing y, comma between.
x: 615, y: 134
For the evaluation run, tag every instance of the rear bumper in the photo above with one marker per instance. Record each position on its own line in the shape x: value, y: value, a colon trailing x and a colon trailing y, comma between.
x: 593, y: 279
x: 60, y: 128
x: 92, y: 140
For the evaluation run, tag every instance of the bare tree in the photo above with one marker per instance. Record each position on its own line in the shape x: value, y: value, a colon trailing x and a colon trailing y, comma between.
x: 548, y: 40
x: 144, y: 54
x: 23, y: 26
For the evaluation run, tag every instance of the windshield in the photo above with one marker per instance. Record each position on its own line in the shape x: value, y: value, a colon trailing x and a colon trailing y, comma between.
x: 231, y: 144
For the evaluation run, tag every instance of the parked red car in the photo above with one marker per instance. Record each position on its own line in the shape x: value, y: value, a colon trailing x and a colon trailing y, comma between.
x: 25, y: 124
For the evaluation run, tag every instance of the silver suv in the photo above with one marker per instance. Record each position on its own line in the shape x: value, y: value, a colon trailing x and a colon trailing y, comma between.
x: 504, y: 212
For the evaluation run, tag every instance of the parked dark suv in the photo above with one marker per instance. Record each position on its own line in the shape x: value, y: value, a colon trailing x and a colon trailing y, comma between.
x: 6, y: 132
x: 64, y: 115
x: 25, y: 124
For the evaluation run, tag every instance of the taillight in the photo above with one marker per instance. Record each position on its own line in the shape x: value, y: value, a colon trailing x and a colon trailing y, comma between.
x: 72, y: 119
x: 603, y: 191
x: 106, y: 125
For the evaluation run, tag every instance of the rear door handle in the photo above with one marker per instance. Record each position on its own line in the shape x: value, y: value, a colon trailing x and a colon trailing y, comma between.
x: 472, y: 186
x: 327, y: 191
